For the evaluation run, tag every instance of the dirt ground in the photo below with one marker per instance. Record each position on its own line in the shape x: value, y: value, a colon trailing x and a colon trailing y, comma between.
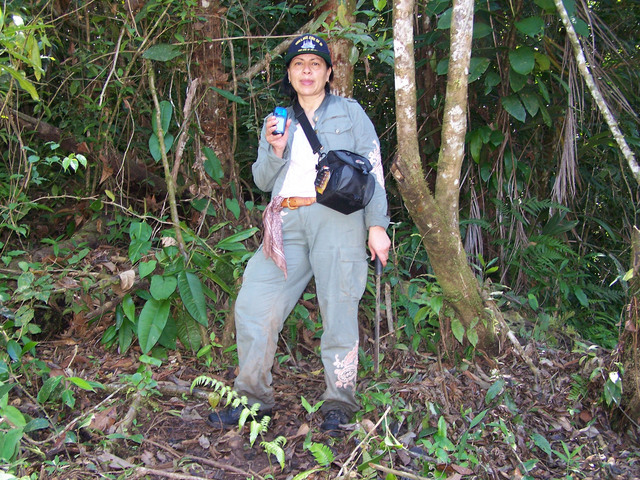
x: 167, y: 435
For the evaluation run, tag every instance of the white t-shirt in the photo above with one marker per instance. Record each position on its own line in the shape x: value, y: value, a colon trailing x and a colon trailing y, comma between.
x: 301, y: 175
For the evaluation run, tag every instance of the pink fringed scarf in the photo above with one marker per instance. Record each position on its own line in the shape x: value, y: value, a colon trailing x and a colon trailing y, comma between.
x: 272, y: 244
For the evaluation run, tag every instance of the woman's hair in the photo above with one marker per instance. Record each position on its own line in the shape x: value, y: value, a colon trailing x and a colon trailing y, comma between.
x: 287, y: 89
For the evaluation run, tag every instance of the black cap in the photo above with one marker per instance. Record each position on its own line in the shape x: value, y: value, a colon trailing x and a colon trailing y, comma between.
x: 308, y: 43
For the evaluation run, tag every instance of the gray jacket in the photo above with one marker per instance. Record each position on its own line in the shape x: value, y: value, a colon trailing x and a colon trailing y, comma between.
x: 341, y: 124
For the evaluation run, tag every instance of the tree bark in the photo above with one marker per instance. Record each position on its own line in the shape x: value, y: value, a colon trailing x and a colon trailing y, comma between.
x: 436, y: 215
x: 341, y: 11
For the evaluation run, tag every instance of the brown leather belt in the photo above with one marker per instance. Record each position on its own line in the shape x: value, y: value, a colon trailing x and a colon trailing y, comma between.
x: 294, y: 202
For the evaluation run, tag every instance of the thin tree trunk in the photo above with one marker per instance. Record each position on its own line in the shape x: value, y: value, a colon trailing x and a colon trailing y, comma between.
x: 436, y: 216
x: 341, y: 11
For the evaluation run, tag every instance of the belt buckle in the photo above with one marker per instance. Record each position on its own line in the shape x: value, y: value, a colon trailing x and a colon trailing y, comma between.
x: 288, y: 204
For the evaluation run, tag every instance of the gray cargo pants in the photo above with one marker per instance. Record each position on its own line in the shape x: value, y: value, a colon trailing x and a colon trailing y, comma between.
x: 330, y: 246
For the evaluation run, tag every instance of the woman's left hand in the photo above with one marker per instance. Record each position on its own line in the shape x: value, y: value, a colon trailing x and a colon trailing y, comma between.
x: 379, y: 244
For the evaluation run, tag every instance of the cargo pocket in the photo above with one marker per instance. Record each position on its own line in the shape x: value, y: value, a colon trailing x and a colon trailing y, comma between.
x: 353, y: 270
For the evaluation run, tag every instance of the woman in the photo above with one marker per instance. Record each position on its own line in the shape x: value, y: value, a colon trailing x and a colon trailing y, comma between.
x: 304, y: 239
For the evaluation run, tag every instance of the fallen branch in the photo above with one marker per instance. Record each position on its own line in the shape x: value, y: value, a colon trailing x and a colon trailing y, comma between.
x: 397, y: 473
x: 140, y: 471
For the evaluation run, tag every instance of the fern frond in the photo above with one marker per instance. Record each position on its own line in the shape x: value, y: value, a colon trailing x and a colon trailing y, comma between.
x: 275, y: 448
x: 206, y: 381
x: 306, y: 474
x: 322, y: 453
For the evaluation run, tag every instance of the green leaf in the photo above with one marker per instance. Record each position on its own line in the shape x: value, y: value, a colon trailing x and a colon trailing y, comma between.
x: 472, y: 336
x: 166, y: 112
x: 530, y: 102
x: 36, y: 424
x: 478, y: 418
x: 516, y: 81
x: 129, y: 307
x: 212, y: 165
x: 581, y: 296
x: 494, y: 391
x: 13, y: 415
x: 193, y: 297
x: 188, y: 331
x: 444, y: 21
x: 229, y: 96
x: 233, y: 206
x: 82, y: 383
x: 140, y: 231
x: 522, y: 60
x: 542, y: 443
x: 458, y: 329
x: 233, y: 242
x: 477, y: 67
x: 9, y: 442
x: 162, y: 287
x: 531, y: 26
x: 152, y: 320
x: 513, y: 106
x: 548, y: 6
x: 47, y: 388
x: 145, y: 268
x: 481, y: 30
x: 21, y: 79
x: 542, y: 61
x: 533, y: 301
x: 154, y: 145
x: 162, y: 52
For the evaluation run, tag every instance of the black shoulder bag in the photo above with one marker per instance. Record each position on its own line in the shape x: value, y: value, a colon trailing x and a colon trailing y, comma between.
x: 344, y: 181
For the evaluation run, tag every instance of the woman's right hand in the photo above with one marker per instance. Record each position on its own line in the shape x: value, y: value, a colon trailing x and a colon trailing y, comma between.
x: 277, y: 142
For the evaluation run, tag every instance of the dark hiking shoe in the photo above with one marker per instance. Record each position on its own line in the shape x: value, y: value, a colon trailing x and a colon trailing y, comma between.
x: 230, y: 416
x: 332, y: 421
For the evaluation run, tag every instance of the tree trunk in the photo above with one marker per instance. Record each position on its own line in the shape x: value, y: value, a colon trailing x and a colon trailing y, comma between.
x: 343, y: 12
x: 436, y: 216
x: 213, y: 110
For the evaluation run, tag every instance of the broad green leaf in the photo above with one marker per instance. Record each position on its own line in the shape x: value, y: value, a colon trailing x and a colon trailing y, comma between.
x: 137, y: 249
x: 458, y: 329
x: 140, y: 231
x: 229, y: 96
x: 477, y: 67
x: 522, y: 60
x: 153, y: 318
x: 481, y: 30
x: 129, y: 307
x: 531, y: 26
x: 443, y: 66
x: 150, y: 360
x: 542, y: 443
x: 9, y: 442
x: 478, y: 418
x: 516, y: 81
x: 233, y: 242
x: 472, y: 336
x: 81, y: 383
x: 444, y: 21
x: 13, y: 415
x: 22, y: 81
x: 581, y: 296
x: 193, y: 297
x: 125, y: 337
x: 533, y: 301
x: 233, y: 206
x: 530, y: 102
x: 548, y: 6
x: 494, y: 391
x: 154, y: 145
x: 145, y: 268
x: 188, y: 331
x: 162, y: 52
x: 212, y: 165
x: 162, y: 287
x: 513, y: 106
x: 542, y: 61
x: 166, y: 112
x: 14, y: 350
x: 36, y: 424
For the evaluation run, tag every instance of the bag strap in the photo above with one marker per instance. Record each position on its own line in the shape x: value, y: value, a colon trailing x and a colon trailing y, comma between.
x: 308, y: 130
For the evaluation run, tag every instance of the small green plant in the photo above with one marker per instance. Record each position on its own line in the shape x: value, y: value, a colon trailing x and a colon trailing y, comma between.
x: 142, y: 381
x: 256, y: 428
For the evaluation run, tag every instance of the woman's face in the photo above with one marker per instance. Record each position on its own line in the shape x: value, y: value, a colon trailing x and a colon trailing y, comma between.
x: 308, y: 74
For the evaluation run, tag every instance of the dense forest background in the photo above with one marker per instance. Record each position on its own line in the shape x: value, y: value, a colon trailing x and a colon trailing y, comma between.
x: 128, y: 211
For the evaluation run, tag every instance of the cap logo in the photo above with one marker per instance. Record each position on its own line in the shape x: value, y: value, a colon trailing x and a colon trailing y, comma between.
x: 308, y: 45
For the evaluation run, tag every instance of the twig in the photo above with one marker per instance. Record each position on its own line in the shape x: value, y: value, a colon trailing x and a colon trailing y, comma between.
x: 128, y: 419
x: 361, y: 445
x: 140, y: 471
x: 397, y: 473
x: 184, y: 135
x: 204, y: 461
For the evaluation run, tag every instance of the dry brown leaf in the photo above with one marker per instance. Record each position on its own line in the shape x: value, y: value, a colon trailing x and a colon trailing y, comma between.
x: 127, y: 279
x: 104, y: 419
